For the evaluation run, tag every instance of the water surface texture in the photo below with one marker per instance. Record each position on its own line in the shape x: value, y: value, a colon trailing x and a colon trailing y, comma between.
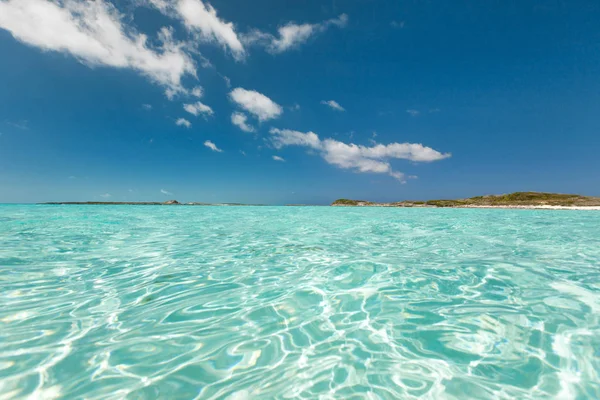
x: 168, y: 302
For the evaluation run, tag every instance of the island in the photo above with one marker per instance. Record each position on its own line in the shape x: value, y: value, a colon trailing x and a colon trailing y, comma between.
x: 116, y: 203
x: 530, y: 200
x: 144, y: 203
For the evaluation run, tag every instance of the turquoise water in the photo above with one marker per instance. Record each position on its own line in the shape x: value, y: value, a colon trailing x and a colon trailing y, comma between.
x: 149, y: 302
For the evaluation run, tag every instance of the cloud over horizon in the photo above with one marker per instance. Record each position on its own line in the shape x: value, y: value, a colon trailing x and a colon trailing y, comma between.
x: 358, y: 158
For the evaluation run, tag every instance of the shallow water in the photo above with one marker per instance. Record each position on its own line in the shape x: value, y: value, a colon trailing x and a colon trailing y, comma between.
x: 148, y: 302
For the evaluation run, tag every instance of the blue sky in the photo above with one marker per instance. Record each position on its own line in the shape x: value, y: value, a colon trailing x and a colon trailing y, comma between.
x: 297, y: 101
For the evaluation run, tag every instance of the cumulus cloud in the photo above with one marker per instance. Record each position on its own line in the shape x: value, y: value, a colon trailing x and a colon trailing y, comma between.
x: 373, y: 159
x: 413, y: 113
x: 93, y: 33
x: 333, y: 104
x: 288, y: 137
x: 198, y: 92
x: 147, y: 107
x: 201, y: 18
x: 165, y: 192
x: 212, y: 146
x: 256, y: 103
x: 183, y: 122
x: 162, y: 5
x: 198, y: 108
x: 105, y: 195
x: 291, y: 35
x: 240, y: 120
x: 277, y: 158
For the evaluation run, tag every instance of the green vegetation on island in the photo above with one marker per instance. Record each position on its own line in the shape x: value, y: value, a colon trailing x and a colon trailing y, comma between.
x: 517, y: 199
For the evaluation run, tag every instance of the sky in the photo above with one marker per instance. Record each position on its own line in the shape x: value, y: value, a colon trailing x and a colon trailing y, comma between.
x: 297, y: 101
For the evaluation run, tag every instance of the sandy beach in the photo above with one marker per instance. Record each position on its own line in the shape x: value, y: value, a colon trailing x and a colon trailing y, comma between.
x: 540, y: 207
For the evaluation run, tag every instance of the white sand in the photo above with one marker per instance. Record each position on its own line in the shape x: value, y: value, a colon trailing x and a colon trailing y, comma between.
x: 540, y: 207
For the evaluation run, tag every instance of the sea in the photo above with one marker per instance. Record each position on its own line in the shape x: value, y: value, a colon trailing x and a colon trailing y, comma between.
x: 200, y: 302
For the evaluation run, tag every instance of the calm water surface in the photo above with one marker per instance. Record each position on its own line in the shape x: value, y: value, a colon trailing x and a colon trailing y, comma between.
x: 154, y: 302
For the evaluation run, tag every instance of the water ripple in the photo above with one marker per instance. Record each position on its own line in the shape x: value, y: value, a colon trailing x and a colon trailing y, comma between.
x: 272, y: 302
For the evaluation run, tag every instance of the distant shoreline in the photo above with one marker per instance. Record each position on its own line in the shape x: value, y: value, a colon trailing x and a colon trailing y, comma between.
x: 506, y: 207
x: 539, y: 207
x: 376, y: 205
x: 143, y: 203
x: 517, y: 200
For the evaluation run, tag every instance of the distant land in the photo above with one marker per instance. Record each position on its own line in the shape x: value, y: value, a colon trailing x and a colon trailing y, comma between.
x: 144, y: 203
x: 512, y: 200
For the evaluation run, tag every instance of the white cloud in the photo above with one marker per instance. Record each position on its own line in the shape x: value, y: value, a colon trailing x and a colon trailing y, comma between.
x: 288, y: 137
x: 359, y: 158
x: 162, y: 5
x: 333, y: 104
x: 277, y: 158
x: 413, y: 113
x: 202, y: 19
x: 256, y: 103
x: 105, y: 195
x: 198, y: 108
x: 198, y: 92
x: 183, y: 122
x: 397, y: 24
x: 240, y: 120
x: 22, y: 124
x: 147, y: 107
x: 165, y: 192
x: 399, y: 176
x: 212, y: 146
x: 93, y: 32
x: 171, y: 93
x: 291, y: 35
